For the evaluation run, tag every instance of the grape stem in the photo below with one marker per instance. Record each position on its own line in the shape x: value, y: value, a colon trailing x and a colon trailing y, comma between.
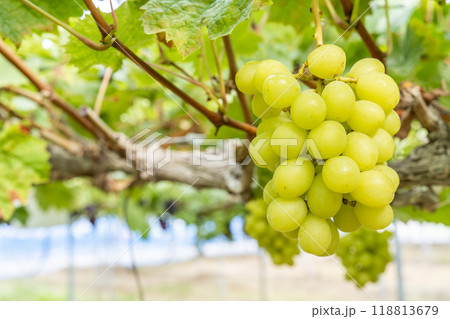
x: 301, y: 71
x: 93, y: 45
x: 343, y: 79
x: 317, y: 22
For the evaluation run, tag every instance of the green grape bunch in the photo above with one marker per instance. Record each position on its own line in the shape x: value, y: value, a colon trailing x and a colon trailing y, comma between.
x: 327, y: 148
x: 364, y: 254
x: 281, y: 248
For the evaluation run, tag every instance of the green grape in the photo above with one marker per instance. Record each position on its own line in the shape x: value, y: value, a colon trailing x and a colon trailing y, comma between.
x: 269, y: 193
x: 367, y: 118
x: 292, y: 234
x: 362, y: 149
x: 287, y: 140
x: 314, y: 235
x: 212, y: 105
x: 285, y: 215
x: 334, y: 244
x: 330, y: 139
x: 280, y: 90
x: 364, y: 254
x: 270, y: 124
x: 261, y: 109
x: 374, y: 218
x: 380, y: 89
x: 364, y: 66
x: 308, y: 110
x: 374, y: 189
x: 340, y: 101
x: 341, y: 174
x: 261, y: 152
x: 278, y: 243
x: 346, y: 220
x: 389, y: 172
x: 244, y: 77
x: 392, y: 123
x: 385, y: 145
x: 322, y: 201
x: 258, y: 208
x: 280, y: 248
x: 265, y: 69
x: 293, y: 177
x: 327, y: 61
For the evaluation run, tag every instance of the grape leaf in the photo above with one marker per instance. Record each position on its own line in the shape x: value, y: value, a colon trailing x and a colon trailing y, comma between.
x: 295, y: 13
x: 133, y: 37
x: 440, y: 215
x: 23, y: 162
x: 182, y: 20
x: 17, y: 20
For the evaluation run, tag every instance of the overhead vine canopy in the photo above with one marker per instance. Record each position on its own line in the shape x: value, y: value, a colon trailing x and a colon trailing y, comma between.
x: 170, y: 66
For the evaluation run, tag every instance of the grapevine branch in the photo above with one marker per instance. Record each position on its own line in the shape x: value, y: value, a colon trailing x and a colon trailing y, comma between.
x: 317, y: 22
x: 233, y: 70
x: 373, y: 48
x: 216, y: 118
x: 102, y: 90
x: 93, y: 45
x: 11, y: 56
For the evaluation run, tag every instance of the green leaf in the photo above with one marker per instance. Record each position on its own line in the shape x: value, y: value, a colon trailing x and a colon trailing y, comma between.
x: 182, y: 20
x: 23, y: 162
x: 17, y: 20
x: 440, y: 215
x: 131, y: 35
x: 71, y: 195
x: 295, y: 13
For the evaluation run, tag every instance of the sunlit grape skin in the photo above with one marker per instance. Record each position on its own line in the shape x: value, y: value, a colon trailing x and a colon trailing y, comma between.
x: 269, y: 193
x: 364, y: 66
x: 385, y: 145
x: 340, y: 101
x: 314, y: 235
x: 261, y: 152
x: 341, y: 174
x: 362, y: 149
x: 389, y: 172
x: 327, y: 61
x: 366, y: 118
x: 261, y: 109
x: 330, y: 139
x: 244, y: 77
x: 374, y: 189
x: 287, y: 140
x: 285, y: 215
x: 265, y: 69
x: 293, y: 177
x: 346, y: 220
x: 280, y: 90
x: 380, y: 89
x: 270, y: 124
x: 334, y: 243
x: 322, y: 201
x: 392, y: 123
x: 374, y: 218
x: 308, y: 110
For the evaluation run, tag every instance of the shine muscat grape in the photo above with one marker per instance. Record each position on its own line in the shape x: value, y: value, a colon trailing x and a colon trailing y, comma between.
x: 327, y: 149
x: 364, y: 254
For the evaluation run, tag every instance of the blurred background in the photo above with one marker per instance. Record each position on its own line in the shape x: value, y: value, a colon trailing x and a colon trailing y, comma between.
x: 88, y: 228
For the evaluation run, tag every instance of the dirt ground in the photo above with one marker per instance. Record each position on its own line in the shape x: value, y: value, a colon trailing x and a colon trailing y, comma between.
x: 425, y: 277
